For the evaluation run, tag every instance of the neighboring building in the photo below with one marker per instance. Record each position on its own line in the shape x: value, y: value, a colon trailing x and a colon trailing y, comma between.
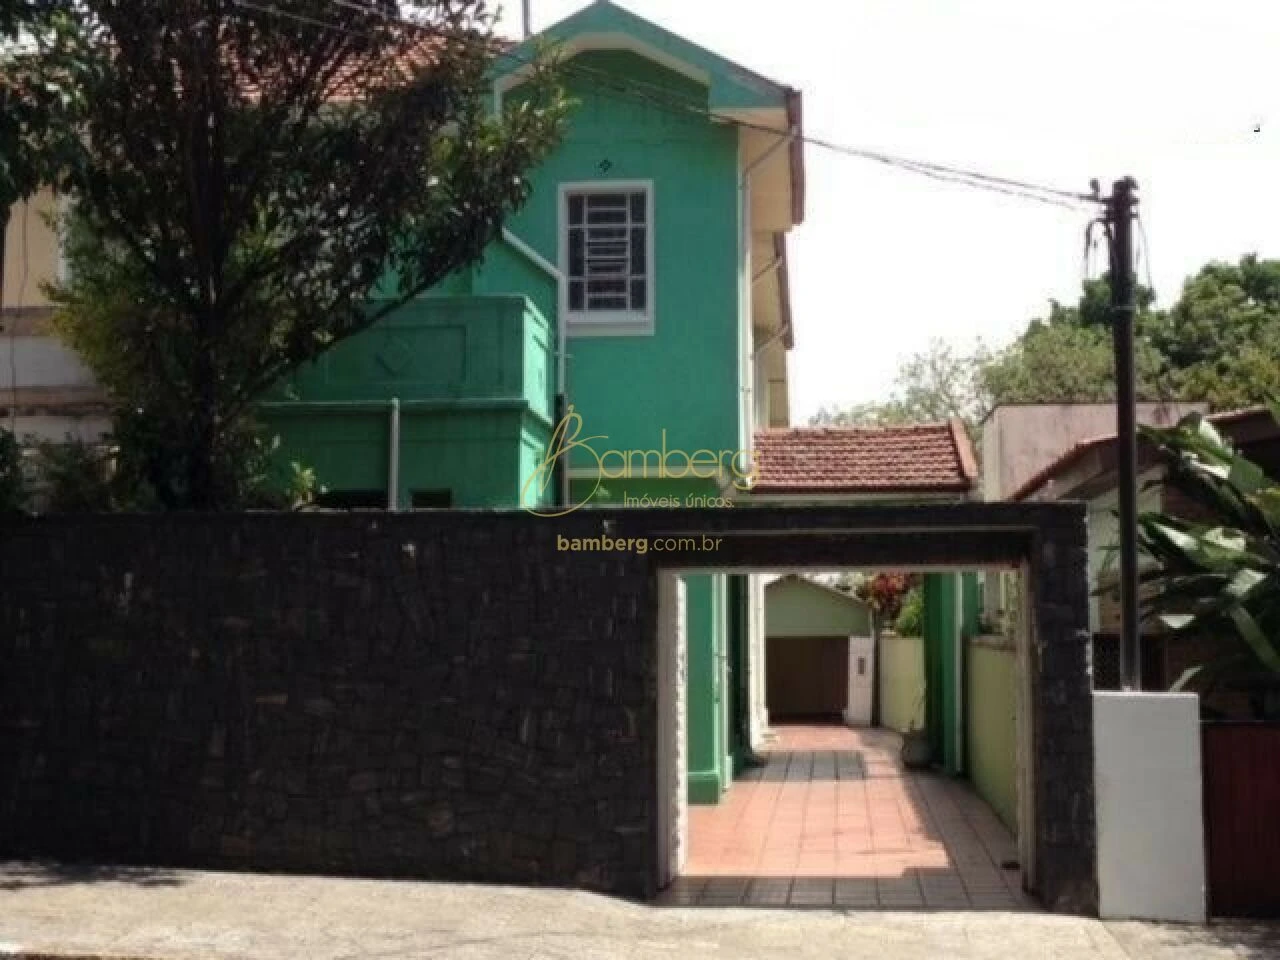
x: 1087, y: 471
x: 819, y: 645
x: 45, y: 391
x: 932, y: 462
x: 1019, y: 440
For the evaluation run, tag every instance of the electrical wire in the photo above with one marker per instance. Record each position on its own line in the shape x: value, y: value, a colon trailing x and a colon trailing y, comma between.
x: 1145, y: 253
x: 1021, y: 189
x: 21, y: 301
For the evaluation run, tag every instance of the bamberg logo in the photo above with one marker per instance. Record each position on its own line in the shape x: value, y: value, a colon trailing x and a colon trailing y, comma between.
x: 736, y: 465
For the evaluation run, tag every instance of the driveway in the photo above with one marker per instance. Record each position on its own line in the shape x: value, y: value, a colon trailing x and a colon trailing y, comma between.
x: 833, y: 819
x: 189, y: 915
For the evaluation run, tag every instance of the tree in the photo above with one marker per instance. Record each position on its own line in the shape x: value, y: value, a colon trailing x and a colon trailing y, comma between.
x: 1222, y: 337
x: 259, y: 183
x: 935, y: 384
x: 41, y: 63
x: 1060, y: 362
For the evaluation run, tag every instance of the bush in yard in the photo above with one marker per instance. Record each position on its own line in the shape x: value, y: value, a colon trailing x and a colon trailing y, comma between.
x: 884, y: 593
x: 1218, y: 576
x: 259, y: 182
x: 13, y: 495
x: 910, y: 622
x: 76, y: 477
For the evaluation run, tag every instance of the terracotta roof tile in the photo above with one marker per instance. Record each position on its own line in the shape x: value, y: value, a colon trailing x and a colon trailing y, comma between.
x: 934, y: 457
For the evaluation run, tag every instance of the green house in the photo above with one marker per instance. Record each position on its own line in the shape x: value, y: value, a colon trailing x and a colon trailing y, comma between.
x: 643, y: 287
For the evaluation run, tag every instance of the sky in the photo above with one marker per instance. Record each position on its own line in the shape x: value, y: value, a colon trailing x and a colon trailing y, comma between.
x: 1171, y: 92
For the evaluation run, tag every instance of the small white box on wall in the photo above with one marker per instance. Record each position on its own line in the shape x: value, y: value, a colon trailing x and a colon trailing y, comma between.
x: 862, y: 657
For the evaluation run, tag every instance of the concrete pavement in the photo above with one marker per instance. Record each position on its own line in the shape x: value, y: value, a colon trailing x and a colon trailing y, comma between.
x: 157, y: 914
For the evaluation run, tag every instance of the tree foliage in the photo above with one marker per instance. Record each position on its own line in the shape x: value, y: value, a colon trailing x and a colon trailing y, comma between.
x: 258, y: 184
x: 936, y: 384
x: 1220, y: 343
x: 42, y: 59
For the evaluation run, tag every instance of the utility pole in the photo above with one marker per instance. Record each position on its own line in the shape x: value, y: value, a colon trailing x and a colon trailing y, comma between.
x: 1121, y: 207
x: 526, y: 11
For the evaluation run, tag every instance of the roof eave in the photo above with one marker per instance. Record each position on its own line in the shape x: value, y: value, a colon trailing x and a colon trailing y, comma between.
x: 795, y: 123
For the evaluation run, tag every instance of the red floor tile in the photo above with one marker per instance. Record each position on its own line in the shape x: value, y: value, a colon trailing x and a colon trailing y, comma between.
x: 832, y: 818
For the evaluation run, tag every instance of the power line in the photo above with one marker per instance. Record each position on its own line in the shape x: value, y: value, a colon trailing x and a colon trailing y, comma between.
x: 1021, y: 189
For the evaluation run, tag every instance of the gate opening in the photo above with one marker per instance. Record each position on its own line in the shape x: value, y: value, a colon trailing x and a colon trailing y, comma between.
x: 877, y: 720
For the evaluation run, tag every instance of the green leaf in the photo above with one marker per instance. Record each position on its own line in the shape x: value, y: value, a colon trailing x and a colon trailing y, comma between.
x: 1258, y: 642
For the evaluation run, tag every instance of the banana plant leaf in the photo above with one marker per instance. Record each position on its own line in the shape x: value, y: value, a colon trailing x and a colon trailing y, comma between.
x: 1217, y: 576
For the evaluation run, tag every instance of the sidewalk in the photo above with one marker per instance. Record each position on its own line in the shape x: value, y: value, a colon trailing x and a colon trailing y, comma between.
x: 154, y: 914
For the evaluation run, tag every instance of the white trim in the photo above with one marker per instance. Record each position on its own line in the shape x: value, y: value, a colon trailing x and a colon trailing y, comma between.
x: 601, y: 41
x: 612, y: 324
x: 532, y: 255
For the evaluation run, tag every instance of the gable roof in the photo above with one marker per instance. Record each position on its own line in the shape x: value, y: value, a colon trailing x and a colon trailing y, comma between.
x: 731, y: 85
x: 734, y: 92
x: 921, y: 458
x: 816, y: 585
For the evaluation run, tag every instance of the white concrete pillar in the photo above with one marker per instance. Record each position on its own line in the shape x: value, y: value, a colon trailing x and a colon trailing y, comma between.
x: 1149, y: 798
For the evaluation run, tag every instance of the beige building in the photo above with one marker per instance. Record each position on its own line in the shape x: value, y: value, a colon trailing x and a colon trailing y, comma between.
x: 45, y: 391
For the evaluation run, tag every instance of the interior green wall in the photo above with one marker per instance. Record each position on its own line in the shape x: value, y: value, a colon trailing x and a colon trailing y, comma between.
x: 797, y: 608
x: 902, y: 683
x: 939, y: 627
x: 946, y: 622
x: 990, y: 726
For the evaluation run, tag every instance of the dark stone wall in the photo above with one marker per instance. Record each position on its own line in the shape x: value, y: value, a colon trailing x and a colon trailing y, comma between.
x: 1062, y: 708
x: 442, y: 695
x: 445, y: 697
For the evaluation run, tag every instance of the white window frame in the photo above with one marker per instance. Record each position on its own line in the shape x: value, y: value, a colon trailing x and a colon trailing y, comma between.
x: 612, y: 323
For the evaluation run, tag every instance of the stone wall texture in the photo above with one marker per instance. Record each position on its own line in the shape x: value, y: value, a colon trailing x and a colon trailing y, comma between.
x: 359, y: 694
x: 446, y: 695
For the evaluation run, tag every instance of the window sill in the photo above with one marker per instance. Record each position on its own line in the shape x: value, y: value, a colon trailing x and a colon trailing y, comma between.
x: 617, y: 325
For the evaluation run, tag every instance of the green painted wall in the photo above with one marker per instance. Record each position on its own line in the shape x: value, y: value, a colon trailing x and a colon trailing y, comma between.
x: 729, y: 84
x: 941, y: 676
x: 951, y: 611
x: 990, y: 726
x: 478, y: 356
x: 901, y: 682
x: 794, y: 607
x: 684, y: 379
x: 474, y: 379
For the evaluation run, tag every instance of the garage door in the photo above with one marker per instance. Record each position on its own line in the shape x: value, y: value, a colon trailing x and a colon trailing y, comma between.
x: 807, y: 676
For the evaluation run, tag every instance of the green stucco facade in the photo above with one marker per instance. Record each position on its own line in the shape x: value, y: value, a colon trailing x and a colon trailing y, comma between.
x: 472, y: 380
x: 950, y: 615
x: 473, y: 366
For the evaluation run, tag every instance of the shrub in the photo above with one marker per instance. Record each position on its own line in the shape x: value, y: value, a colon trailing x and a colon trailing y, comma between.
x: 12, y: 489
x: 910, y: 622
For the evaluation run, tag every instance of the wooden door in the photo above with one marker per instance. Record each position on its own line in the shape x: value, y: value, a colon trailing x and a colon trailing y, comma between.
x: 807, y: 676
x: 1241, y: 764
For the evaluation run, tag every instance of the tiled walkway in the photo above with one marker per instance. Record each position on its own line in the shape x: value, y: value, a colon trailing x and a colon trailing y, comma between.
x: 833, y: 820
